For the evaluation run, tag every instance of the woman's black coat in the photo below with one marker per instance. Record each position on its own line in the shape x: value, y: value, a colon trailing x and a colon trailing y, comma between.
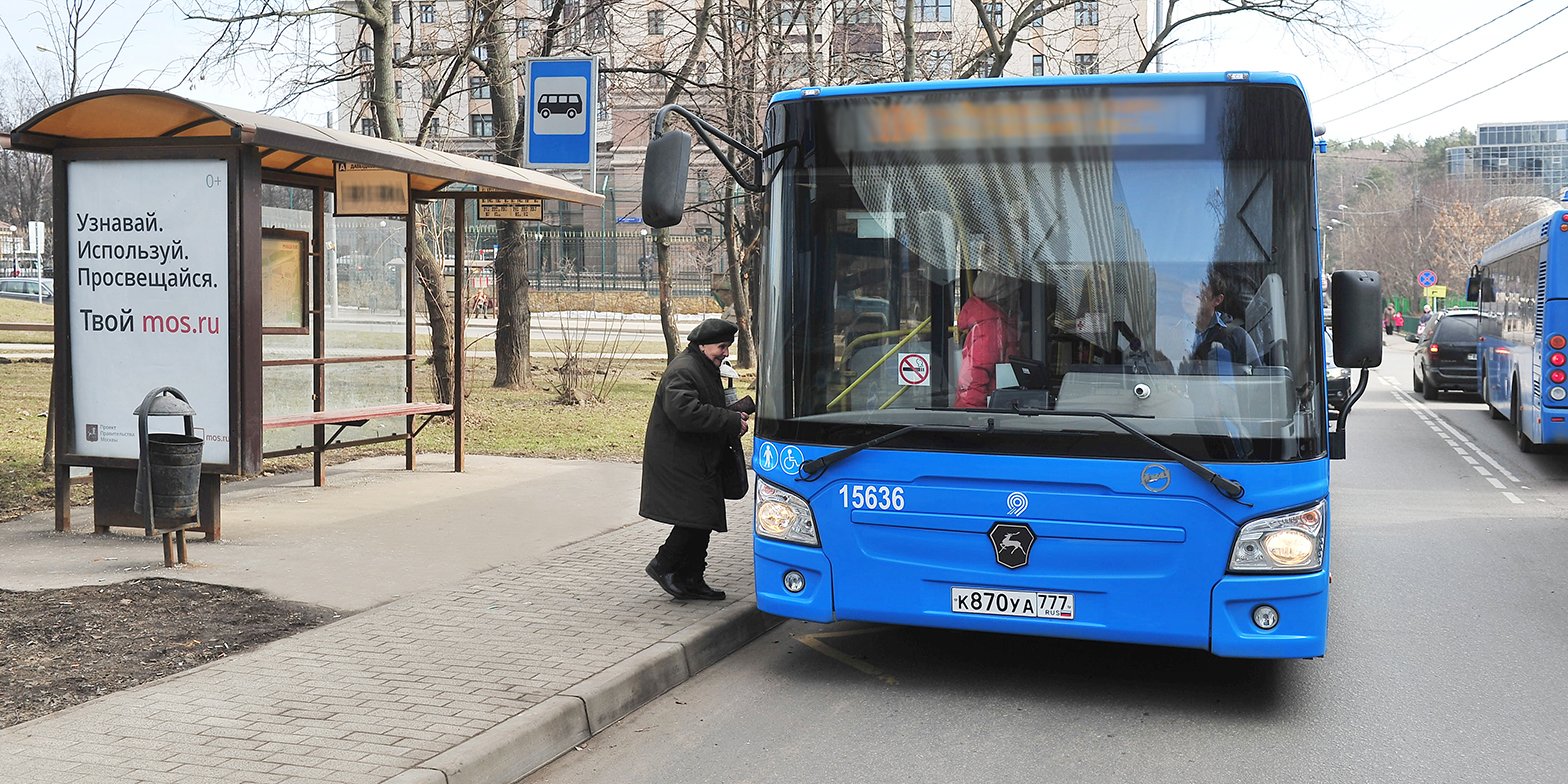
x: 688, y: 431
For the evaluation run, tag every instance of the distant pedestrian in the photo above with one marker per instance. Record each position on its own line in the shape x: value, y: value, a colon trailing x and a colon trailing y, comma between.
x: 1388, y: 319
x: 1399, y: 321
x: 645, y: 269
x: 689, y: 438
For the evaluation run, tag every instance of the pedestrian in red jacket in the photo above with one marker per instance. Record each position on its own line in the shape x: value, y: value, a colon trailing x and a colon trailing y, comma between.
x: 991, y: 336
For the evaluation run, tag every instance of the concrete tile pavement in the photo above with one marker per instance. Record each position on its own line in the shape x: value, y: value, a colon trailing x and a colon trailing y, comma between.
x: 482, y: 679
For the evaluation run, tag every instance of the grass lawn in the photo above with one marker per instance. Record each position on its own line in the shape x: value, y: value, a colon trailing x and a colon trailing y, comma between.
x: 16, y: 311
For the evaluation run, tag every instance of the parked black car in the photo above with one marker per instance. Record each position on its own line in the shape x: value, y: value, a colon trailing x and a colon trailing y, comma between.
x: 1445, y: 354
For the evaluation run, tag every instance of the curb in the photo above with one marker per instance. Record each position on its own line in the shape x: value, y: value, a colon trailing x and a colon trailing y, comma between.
x: 532, y: 739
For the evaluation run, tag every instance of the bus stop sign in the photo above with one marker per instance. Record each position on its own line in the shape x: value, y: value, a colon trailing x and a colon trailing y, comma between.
x: 560, y: 110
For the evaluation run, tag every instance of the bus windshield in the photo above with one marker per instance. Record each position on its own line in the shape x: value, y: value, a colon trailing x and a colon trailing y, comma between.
x: 984, y: 255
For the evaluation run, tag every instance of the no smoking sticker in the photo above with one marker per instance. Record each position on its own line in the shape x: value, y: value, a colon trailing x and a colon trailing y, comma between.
x: 914, y: 370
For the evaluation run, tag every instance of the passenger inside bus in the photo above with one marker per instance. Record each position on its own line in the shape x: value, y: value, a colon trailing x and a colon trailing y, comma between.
x: 1220, y: 343
x: 990, y: 336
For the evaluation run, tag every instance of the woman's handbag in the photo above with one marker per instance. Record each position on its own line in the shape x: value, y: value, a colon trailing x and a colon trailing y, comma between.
x: 732, y: 471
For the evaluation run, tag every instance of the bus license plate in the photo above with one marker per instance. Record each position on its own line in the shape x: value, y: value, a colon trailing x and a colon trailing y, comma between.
x: 1022, y: 604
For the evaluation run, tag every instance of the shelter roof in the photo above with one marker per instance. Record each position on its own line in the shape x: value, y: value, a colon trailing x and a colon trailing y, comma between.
x: 286, y: 145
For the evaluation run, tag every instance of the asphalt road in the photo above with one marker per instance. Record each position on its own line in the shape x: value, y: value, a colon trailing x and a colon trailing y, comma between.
x: 1446, y: 658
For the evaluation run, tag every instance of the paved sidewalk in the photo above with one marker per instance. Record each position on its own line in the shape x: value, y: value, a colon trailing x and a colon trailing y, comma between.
x: 482, y: 679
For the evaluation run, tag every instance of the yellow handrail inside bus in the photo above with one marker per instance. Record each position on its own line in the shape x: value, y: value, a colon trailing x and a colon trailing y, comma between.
x: 877, y: 364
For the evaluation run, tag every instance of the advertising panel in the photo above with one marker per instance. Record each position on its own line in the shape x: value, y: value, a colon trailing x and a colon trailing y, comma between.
x: 148, y: 273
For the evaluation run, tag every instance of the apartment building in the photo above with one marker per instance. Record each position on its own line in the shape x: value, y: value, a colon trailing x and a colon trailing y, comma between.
x: 641, y: 44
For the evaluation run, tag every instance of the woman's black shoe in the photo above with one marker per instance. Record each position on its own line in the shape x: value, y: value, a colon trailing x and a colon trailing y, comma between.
x: 667, y: 581
x: 698, y: 588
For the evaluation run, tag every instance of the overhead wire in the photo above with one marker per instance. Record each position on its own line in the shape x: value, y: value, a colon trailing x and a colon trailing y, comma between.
x: 1456, y: 67
x: 1432, y: 51
x: 1539, y: 65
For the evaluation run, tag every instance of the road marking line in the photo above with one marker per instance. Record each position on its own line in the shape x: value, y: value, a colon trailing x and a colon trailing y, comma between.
x: 815, y: 642
x: 1450, y: 434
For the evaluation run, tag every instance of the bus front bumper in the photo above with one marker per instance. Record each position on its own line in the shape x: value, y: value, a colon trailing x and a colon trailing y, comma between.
x: 1300, y: 601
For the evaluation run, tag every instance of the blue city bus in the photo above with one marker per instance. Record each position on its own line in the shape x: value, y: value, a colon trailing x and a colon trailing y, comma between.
x: 1090, y: 451
x: 1521, y: 287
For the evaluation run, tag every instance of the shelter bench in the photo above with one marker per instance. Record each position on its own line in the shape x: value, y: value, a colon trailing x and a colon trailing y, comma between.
x: 356, y: 417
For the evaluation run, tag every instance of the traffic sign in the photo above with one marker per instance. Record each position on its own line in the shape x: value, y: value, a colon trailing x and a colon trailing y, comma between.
x: 1435, y: 292
x: 1426, y: 278
x: 560, y: 110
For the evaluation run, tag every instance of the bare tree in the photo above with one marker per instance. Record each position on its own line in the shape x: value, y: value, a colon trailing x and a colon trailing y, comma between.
x: 1342, y: 19
x: 252, y: 26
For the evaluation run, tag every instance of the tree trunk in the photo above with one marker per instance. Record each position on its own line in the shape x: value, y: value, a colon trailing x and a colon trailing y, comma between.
x: 744, y: 344
x: 513, y: 367
x: 667, y: 312
x: 439, y: 307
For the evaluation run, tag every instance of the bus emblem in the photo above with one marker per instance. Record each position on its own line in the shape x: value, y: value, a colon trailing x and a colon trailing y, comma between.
x: 1017, y: 503
x: 1012, y: 542
x: 1156, y: 478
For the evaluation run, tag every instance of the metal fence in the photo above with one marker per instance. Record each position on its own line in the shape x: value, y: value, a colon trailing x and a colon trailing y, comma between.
x: 578, y: 260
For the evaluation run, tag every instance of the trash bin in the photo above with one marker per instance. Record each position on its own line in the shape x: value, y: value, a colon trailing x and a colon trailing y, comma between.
x: 173, y: 462
x: 168, y: 471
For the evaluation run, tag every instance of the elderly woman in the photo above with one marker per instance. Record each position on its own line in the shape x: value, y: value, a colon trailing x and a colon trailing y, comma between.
x: 688, y: 437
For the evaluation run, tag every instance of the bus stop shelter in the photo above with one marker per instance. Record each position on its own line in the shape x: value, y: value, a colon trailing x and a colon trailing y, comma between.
x: 172, y: 269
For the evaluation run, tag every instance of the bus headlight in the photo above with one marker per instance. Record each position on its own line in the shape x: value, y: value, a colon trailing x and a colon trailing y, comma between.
x: 1291, y: 542
x: 785, y: 516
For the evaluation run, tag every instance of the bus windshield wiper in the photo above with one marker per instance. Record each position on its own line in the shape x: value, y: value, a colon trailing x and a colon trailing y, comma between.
x: 1229, y: 488
x: 811, y: 469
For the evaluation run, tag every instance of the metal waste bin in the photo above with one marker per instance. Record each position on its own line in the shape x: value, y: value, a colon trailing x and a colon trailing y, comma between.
x: 168, y: 469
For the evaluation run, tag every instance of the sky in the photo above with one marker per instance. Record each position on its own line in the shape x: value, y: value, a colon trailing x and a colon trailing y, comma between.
x: 1397, y: 85
x: 1394, y: 84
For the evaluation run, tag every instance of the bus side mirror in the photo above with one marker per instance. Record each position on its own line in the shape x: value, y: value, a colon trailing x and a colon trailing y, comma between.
x: 1479, y: 289
x: 664, y: 179
x: 1358, y: 318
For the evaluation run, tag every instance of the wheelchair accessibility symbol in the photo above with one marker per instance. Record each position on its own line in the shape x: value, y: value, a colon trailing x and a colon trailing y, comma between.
x: 791, y: 459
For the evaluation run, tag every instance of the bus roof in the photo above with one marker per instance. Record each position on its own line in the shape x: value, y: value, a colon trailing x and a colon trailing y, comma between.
x: 1534, y: 233
x: 1084, y: 80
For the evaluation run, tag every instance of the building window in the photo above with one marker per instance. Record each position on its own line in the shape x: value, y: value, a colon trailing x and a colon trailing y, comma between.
x: 482, y: 53
x: 994, y: 10
x: 397, y: 51
x: 365, y: 53
x: 742, y: 20
x: 1086, y: 63
x: 655, y: 23
x: 367, y: 126
x: 1036, y: 8
x: 597, y: 23
x: 524, y: 25
x: 485, y: 156
x: 397, y: 90
x: 479, y: 87
x: 1038, y: 62
x: 397, y: 13
x: 365, y: 88
x: 427, y: 13
x: 933, y: 10
x: 435, y: 125
x: 481, y: 125
x: 1086, y: 13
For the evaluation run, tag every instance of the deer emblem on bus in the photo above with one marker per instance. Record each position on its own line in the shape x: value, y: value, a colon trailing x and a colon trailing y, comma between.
x: 1012, y: 542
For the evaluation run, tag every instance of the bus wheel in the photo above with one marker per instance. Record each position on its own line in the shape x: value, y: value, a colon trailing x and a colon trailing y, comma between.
x: 544, y: 114
x: 1525, y: 444
x: 571, y: 114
